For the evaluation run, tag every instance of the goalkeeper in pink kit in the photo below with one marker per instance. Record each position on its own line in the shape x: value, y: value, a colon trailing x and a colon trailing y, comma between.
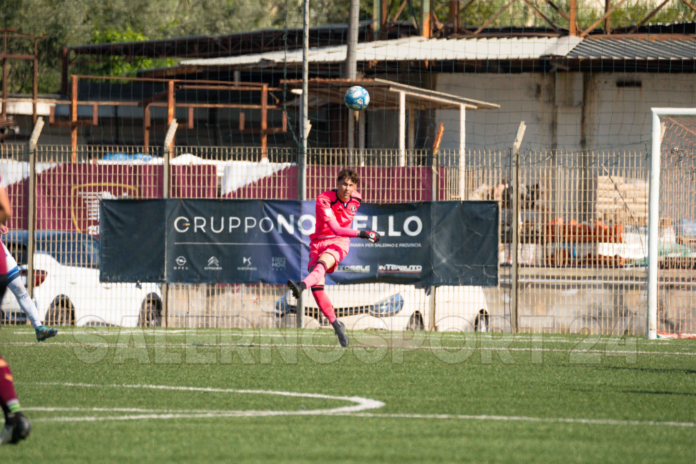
x: 330, y: 243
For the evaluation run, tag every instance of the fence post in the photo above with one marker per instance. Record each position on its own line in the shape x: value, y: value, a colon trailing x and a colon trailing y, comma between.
x: 302, y: 196
x: 515, y: 225
x: 31, y: 226
x: 305, y: 126
x: 435, y: 196
x: 168, y: 145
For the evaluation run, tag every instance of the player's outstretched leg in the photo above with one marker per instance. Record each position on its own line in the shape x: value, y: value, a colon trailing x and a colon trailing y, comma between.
x: 29, y: 308
x: 340, y: 330
x: 17, y: 426
x: 314, y: 277
x: 44, y: 333
x: 326, y: 308
x: 296, y: 288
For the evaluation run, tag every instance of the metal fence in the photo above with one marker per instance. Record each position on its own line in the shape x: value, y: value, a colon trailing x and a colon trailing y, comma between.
x: 581, y: 228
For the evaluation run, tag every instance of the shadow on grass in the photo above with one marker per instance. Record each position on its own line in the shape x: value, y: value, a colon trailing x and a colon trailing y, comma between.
x: 638, y: 392
x: 649, y: 370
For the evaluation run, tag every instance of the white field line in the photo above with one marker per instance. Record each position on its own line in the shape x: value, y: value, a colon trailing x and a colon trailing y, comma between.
x: 362, y: 404
x: 309, y: 345
x: 328, y: 332
x: 73, y: 409
x: 530, y: 419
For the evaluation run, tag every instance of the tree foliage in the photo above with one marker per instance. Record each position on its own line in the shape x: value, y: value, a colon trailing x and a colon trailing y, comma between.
x: 77, y: 22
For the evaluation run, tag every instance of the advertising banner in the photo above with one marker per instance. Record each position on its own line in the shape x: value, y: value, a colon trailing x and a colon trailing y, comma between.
x: 252, y: 241
x: 240, y: 241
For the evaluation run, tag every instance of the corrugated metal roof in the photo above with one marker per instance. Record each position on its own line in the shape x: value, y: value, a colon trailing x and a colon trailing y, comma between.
x: 413, y: 49
x: 635, y: 49
x: 384, y: 94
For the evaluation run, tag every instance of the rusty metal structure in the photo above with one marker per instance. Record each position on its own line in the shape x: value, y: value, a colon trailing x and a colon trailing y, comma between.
x: 207, y: 47
x: 168, y: 99
x: 7, y: 35
x: 430, y: 25
x: 387, y: 25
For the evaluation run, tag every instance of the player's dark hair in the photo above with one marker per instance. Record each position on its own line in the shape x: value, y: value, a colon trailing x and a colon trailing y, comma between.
x: 349, y: 174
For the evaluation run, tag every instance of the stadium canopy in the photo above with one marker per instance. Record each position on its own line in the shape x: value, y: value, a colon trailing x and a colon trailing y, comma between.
x: 407, y: 49
x: 390, y: 95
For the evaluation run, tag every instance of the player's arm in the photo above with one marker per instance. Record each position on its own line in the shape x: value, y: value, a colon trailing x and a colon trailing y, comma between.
x: 370, y: 235
x: 346, y: 232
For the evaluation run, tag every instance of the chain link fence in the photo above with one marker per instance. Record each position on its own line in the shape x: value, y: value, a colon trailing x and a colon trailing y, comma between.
x: 581, y: 228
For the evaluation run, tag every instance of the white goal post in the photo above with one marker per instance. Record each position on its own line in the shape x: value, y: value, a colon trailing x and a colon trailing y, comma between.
x: 654, y: 211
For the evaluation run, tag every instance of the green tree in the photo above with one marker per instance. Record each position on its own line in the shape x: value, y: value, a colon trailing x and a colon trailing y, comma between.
x: 78, y: 22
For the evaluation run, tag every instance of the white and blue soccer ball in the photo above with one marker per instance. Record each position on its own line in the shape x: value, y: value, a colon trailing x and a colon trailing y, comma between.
x: 357, y: 98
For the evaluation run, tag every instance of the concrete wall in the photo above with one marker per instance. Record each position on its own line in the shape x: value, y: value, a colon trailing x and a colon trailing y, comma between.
x: 563, y: 110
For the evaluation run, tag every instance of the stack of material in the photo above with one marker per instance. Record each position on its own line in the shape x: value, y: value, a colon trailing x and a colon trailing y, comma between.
x: 572, y: 232
x: 622, y: 201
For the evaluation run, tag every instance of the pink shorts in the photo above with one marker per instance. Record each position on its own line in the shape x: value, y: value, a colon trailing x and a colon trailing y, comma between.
x: 335, y: 246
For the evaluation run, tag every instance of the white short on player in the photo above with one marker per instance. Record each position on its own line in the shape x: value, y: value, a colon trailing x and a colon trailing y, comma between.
x: 20, y: 292
x: 12, y: 267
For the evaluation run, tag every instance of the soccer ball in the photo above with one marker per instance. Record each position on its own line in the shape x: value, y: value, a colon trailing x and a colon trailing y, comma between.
x: 357, y: 98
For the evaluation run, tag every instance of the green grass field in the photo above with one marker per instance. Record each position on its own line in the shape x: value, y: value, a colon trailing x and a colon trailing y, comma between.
x: 100, y: 395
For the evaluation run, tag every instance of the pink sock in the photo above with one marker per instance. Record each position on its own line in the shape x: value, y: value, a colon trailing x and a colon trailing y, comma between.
x: 316, y: 275
x: 324, y: 303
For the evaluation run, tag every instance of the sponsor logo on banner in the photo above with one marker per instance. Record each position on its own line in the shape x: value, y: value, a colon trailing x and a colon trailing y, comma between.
x: 278, y: 264
x: 213, y: 264
x: 401, y: 268
x: 246, y: 264
x: 353, y: 268
x: 180, y: 264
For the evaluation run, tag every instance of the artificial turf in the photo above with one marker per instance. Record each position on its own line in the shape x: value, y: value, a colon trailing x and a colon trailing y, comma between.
x: 447, y: 397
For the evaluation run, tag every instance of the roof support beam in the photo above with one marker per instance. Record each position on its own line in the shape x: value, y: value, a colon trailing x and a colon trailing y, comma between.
x: 436, y: 22
x: 650, y: 15
x: 494, y: 17
x: 401, y: 9
x: 428, y: 97
x: 573, y: 18
x: 462, y: 29
x: 465, y: 7
x: 426, y: 27
x: 563, y: 14
x: 686, y: 2
x: 73, y: 118
x: 539, y: 13
x: 606, y: 15
x: 264, y: 122
x: 454, y: 15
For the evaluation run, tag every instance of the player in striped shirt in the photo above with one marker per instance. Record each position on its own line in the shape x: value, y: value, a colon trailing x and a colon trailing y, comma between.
x: 330, y: 243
